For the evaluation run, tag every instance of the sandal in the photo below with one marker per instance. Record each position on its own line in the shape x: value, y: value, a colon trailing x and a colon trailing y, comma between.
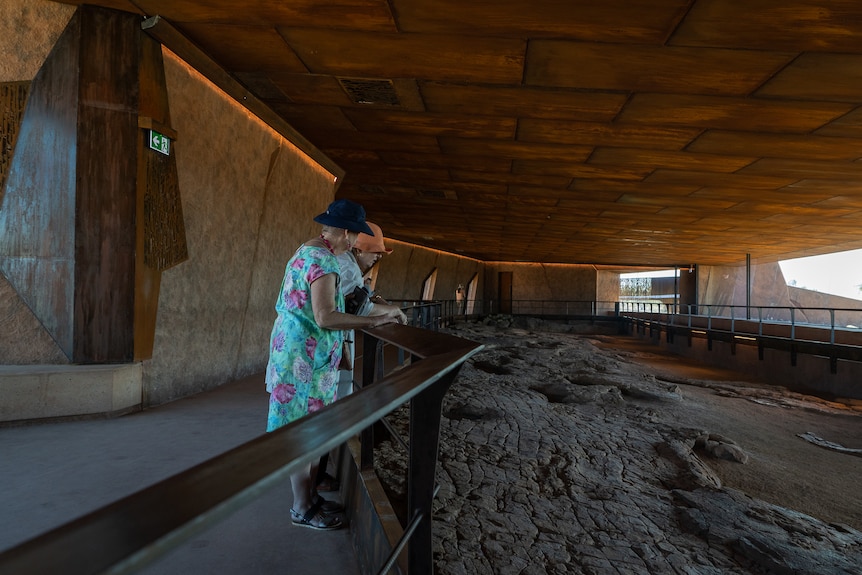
x: 326, y: 506
x: 328, y: 483
x: 313, y: 519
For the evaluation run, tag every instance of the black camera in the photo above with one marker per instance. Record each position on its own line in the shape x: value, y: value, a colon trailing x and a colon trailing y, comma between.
x: 358, y: 302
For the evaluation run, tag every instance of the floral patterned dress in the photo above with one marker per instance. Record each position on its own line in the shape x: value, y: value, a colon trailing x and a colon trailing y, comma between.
x: 302, y: 372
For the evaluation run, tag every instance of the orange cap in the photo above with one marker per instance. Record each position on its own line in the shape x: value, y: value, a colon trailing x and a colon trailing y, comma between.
x: 373, y: 243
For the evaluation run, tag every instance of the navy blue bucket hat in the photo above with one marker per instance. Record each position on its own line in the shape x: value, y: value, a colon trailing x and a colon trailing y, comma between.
x: 346, y: 215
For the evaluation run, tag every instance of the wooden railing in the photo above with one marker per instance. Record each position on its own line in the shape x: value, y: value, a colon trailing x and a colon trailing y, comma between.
x: 128, y: 534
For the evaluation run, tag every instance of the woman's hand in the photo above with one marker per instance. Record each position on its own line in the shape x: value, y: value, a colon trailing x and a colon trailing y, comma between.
x: 326, y: 316
x: 387, y: 313
x: 394, y: 312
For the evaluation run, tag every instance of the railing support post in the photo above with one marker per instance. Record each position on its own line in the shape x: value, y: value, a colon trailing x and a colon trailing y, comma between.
x: 425, y: 412
x: 369, y: 371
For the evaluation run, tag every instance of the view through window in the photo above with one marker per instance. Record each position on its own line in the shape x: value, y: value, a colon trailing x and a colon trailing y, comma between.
x: 839, y: 273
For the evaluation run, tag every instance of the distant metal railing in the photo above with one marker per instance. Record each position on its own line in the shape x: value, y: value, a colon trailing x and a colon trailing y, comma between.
x: 811, y: 331
x: 833, y: 318
x: 437, y: 313
x: 424, y: 314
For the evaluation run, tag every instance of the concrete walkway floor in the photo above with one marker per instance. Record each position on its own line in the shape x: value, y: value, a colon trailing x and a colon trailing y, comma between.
x: 51, y: 473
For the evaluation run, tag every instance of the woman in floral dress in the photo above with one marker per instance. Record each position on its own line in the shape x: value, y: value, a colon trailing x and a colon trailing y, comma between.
x: 306, y: 344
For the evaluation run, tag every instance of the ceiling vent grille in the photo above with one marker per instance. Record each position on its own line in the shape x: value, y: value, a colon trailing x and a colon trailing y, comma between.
x: 370, y: 91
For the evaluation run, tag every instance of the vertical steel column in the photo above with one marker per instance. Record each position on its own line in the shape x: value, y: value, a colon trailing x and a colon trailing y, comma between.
x: 747, y: 286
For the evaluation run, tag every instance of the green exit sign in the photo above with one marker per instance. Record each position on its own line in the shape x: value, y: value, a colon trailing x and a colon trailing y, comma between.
x: 160, y: 143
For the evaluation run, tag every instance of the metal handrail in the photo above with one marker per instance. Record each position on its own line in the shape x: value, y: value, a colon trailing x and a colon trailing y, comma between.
x: 130, y: 533
x: 722, y: 324
x: 766, y: 315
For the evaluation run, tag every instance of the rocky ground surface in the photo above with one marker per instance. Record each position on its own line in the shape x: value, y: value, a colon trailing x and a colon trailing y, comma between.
x: 601, y: 454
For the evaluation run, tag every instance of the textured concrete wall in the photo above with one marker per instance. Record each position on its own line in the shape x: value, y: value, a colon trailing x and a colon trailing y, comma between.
x: 726, y: 285
x: 402, y: 273
x: 804, y: 298
x: 28, y: 30
x: 607, y: 290
x: 23, y: 340
x: 548, y: 282
x: 248, y: 201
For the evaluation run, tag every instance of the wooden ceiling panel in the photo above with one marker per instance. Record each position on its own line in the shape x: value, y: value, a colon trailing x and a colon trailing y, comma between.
x: 433, y: 124
x: 736, y: 180
x: 262, y: 87
x: 510, y: 101
x: 651, y: 132
x: 804, y: 169
x: 676, y: 201
x: 777, y: 145
x: 641, y: 68
x: 390, y: 175
x: 468, y: 191
x: 847, y: 126
x: 605, y: 134
x: 513, y: 149
x: 735, y: 195
x: 585, y: 210
x: 806, y: 25
x: 528, y: 179
x: 246, y: 48
x: 313, y: 89
x: 654, y: 159
x: 347, y: 156
x: 483, y: 201
x: 743, y: 114
x: 440, y: 58
x: 852, y: 202
x: 583, y: 171
x: 828, y: 187
x: 619, y: 187
x: 559, y: 195
x: 522, y: 195
x: 827, y: 77
x: 610, y: 21
x: 366, y: 15
x: 306, y: 118
x: 804, y: 217
x: 380, y: 141
x: 783, y: 211
x: 479, y: 163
